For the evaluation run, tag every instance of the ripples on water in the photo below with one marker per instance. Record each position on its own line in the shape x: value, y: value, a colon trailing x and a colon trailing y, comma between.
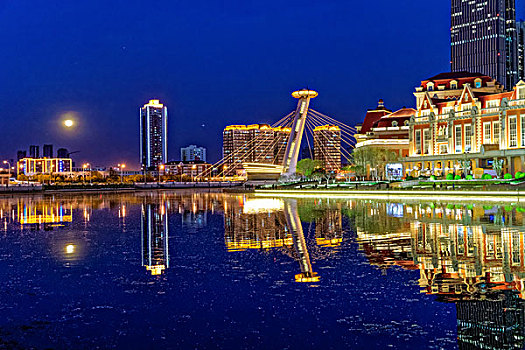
x: 207, y: 270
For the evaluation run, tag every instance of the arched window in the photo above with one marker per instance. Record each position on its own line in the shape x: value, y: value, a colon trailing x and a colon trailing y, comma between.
x: 395, y: 123
x: 453, y: 85
x: 406, y: 123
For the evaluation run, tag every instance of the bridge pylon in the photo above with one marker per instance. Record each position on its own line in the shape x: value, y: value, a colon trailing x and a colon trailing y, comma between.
x: 296, y: 135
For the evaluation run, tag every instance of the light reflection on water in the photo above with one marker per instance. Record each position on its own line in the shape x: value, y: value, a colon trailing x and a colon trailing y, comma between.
x: 384, y: 269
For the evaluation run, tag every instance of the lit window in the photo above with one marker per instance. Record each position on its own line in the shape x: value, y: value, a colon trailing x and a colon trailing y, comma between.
x: 418, y: 141
x: 468, y: 138
x: 522, y: 130
x: 426, y: 141
x: 478, y: 84
x: 486, y: 133
x: 459, y: 139
x: 513, y: 132
x: 521, y: 93
x: 495, y: 126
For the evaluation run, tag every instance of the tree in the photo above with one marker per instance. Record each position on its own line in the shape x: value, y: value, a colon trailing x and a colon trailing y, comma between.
x: 307, y: 166
x: 374, y: 158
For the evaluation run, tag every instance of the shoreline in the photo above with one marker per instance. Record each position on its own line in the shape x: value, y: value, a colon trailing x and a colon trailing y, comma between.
x: 515, y: 196
x: 104, y: 190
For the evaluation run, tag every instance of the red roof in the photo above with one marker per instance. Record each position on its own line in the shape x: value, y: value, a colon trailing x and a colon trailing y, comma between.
x: 373, y: 115
x: 400, y: 116
x: 455, y: 75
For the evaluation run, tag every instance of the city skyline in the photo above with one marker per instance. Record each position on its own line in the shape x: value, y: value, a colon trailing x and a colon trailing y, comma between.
x: 97, y: 71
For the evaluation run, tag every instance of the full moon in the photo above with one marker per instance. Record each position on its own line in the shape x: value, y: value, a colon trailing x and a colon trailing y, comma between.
x: 68, y: 123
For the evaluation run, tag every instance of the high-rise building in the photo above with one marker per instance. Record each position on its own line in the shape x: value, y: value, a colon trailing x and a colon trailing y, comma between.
x: 327, y: 146
x: 484, y: 39
x: 153, y: 134
x: 21, y: 155
x: 282, y: 134
x: 34, y: 151
x: 62, y: 153
x: 47, y: 151
x: 193, y: 153
x: 257, y: 143
x: 521, y: 49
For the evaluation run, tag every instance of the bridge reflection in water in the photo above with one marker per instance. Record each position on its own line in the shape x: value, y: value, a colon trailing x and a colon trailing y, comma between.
x: 264, y: 224
x: 472, y: 256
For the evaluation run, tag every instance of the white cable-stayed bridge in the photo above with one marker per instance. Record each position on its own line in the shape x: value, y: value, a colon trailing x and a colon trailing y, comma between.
x: 300, y: 124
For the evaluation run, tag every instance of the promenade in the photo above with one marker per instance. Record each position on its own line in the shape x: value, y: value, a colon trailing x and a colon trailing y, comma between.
x: 25, y: 189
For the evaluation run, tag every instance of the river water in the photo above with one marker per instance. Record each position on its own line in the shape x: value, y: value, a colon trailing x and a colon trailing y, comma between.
x: 185, y: 270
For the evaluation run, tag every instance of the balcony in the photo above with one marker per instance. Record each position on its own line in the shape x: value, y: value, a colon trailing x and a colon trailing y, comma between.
x: 520, y: 102
x: 490, y: 110
x: 491, y: 147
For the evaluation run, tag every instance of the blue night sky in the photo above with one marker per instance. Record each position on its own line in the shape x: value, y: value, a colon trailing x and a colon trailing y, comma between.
x: 213, y: 63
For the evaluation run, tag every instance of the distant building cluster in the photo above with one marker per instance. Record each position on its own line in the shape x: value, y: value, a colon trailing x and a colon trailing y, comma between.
x: 239, y: 143
x: 46, y: 163
x: 47, y: 152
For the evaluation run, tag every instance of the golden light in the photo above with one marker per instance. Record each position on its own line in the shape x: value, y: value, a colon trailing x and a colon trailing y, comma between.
x: 262, y: 205
x: 68, y: 123
x: 70, y: 249
x: 123, y: 165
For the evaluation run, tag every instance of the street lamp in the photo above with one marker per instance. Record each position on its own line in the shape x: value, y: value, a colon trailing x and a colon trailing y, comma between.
x: 193, y: 167
x: 161, y: 167
x: 84, y: 167
x: 121, y: 166
x: 9, y: 165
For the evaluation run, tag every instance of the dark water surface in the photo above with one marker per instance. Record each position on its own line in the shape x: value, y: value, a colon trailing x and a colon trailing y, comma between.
x: 185, y: 270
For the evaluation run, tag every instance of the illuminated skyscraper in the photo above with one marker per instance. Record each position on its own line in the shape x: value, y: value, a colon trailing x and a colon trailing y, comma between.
x: 521, y: 49
x: 484, y: 40
x: 153, y: 135
x: 327, y: 146
x: 155, y: 254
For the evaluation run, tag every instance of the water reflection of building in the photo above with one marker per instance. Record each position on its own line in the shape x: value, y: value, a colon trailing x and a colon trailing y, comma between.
x: 255, y: 224
x: 329, y: 228
x: 470, y: 255
x: 48, y: 213
x: 491, y: 324
x: 266, y: 223
x: 155, y: 253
